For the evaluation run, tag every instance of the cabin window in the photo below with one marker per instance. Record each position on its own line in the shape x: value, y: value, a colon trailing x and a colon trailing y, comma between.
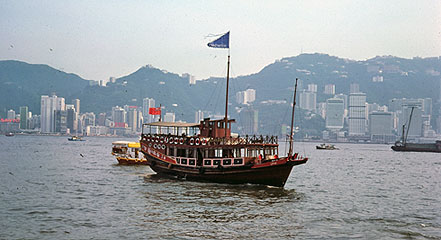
x: 218, y: 153
x: 184, y: 161
x: 238, y: 161
x: 191, y: 162
x: 216, y: 162
x: 178, y: 160
x: 226, y: 162
x: 207, y: 162
x: 242, y: 152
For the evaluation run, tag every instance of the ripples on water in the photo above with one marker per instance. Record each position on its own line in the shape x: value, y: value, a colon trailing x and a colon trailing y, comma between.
x: 49, y: 191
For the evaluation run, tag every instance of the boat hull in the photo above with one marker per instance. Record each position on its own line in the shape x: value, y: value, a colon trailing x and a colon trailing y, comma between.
x: 416, y: 149
x: 266, y: 174
x: 131, y: 161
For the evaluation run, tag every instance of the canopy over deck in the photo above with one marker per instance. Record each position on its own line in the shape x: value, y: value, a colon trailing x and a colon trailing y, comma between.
x: 172, y: 124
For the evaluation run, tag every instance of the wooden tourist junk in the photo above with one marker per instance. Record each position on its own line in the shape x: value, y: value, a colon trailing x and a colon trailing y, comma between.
x: 208, y: 151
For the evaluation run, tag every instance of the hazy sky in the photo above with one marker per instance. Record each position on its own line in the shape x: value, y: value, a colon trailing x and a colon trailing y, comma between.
x: 99, y: 39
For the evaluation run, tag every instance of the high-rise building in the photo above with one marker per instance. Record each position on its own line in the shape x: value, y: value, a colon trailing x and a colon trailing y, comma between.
x: 148, y: 103
x: 308, y: 100
x: 199, y: 116
x: 11, y: 114
x: 48, y: 107
x: 60, y: 121
x: 357, y: 114
x: 381, y: 126
x: 335, y: 109
x: 246, y: 97
x: 249, y: 120
x: 132, y: 118
x: 24, y: 113
x: 119, y: 117
x: 416, y: 123
x: 76, y: 103
x: 71, y: 118
x: 329, y: 89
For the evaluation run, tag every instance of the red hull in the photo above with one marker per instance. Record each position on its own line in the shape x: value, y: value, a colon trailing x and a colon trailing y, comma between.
x: 274, y: 173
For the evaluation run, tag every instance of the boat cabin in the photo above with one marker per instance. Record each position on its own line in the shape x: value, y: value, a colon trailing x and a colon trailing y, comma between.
x: 205, y: 144
x: 126, y: 149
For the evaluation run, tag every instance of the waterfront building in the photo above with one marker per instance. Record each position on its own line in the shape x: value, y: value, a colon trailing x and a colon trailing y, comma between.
x: 11, y: 114
x: 48, y: 107
x: 132, y: 118
x: 416, y: 124
x: 60, y: 121
x: 148, y: 103
x: 381, y: 127
x: 357, y: 114
x: 119, y: 117
x: 335, y: 114
x: 24, y: 114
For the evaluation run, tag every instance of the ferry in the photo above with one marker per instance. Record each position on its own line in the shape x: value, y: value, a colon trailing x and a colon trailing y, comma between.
x: 128, y: 153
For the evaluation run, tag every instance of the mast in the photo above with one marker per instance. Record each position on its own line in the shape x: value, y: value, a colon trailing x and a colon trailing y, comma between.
x: 292, y: 120
x: 226, y: 97
x: 408, y: 127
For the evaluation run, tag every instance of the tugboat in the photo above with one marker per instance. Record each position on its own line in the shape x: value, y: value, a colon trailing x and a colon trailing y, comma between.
x: 75, y: 138
x: 404, y: 146
x: 326, y: 147
x: 207, y: 151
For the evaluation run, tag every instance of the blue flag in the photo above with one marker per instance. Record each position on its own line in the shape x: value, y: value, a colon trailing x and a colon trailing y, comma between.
x: 222, y: 42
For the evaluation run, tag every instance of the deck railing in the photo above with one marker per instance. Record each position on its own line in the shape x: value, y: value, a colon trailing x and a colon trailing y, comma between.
x: 197, y: 140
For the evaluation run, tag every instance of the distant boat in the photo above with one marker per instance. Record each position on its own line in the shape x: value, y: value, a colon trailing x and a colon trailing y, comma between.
x: 76, y: 138
x: 9, y: 134
x: 326, y: 147
x: 404, y: 146
x: 128, y: 153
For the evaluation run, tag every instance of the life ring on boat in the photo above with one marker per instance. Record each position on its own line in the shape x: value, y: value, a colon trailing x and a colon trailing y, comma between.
x: 166, y: 139
x: 181, y: 141
x: 197, y: 141
x: 204, y: 141
x: 161, y: 139
x: 176, y: 140
x: 155, y: 146
x: 163, y: 146
x: 191, y: 141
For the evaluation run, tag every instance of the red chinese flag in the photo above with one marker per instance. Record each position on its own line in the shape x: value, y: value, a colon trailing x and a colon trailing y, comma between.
x: 155, y: 111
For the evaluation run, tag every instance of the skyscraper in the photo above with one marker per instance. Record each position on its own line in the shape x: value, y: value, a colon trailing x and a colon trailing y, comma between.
x: 132, y: 118
x: 308, y: 100
x: 335, y: 109
x: 48, y: 107
x: 24, y: 113
x: 381, y: 126
x: 357, y: 114
x: 148, y: 103
x: 119, y: 116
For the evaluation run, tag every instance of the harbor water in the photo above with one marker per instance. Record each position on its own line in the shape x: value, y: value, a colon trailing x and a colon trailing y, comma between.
x: 55, y: 189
